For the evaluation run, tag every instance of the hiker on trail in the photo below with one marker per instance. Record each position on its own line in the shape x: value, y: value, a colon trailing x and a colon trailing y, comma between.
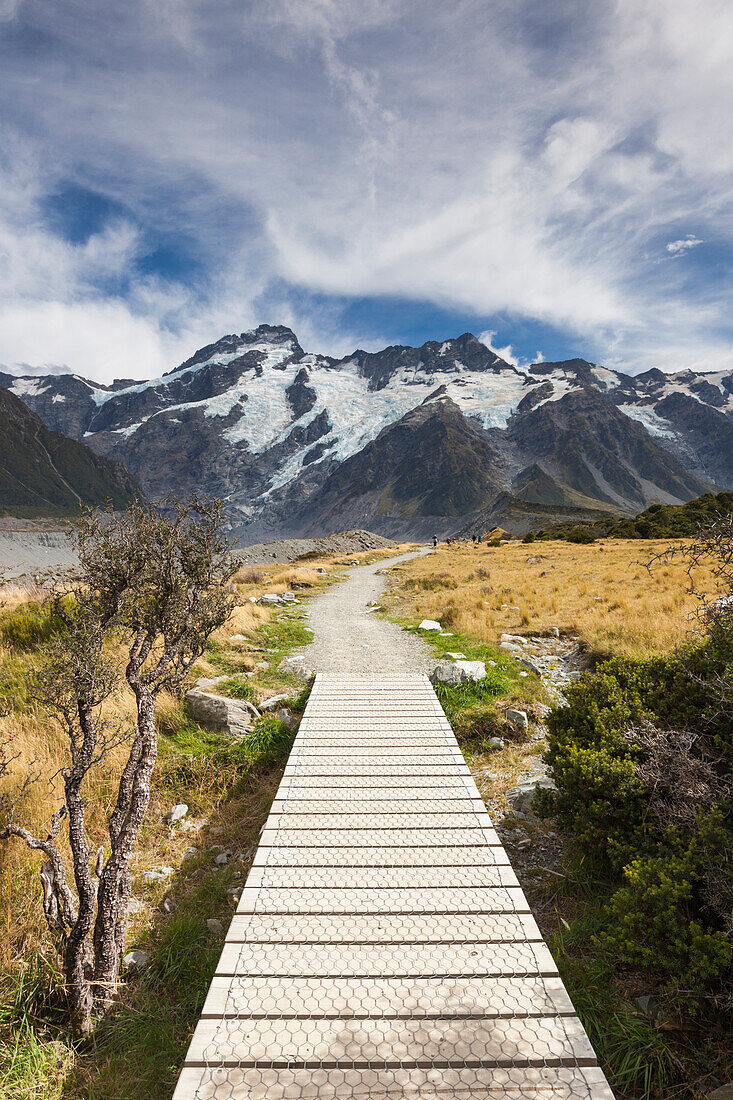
x: 474, y: 539
x: 435, y: 542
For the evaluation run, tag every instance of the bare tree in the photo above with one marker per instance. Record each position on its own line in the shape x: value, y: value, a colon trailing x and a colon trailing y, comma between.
x: 155, y: 583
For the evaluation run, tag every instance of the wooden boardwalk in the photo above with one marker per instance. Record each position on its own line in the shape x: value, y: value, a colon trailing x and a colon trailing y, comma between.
x: 382, y: 947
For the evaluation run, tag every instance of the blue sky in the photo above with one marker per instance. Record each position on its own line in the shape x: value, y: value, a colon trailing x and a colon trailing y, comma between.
x: 553, y: 175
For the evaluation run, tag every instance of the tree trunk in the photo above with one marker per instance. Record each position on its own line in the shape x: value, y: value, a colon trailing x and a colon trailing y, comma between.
x: 113, y: 893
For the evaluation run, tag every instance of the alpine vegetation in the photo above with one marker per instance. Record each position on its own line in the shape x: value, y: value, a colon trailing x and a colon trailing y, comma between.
x: 149, y: 590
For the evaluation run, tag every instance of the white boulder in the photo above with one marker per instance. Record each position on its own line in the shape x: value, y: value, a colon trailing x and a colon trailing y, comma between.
x: 177, y: 813
x: 459, y: 672
x: 429, y: 624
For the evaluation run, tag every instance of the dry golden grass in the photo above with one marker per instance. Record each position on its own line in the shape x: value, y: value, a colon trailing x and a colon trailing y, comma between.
x: 602, y: 593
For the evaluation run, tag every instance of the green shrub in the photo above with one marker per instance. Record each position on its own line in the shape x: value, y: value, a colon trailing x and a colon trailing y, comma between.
x: 652, y: 926
x: 632, y: 790
x: 581, y: 535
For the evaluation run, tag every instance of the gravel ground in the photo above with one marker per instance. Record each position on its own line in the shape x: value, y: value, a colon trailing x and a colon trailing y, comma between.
x: 350, y: 638
x: 286, y: 550
x: 29, y: 552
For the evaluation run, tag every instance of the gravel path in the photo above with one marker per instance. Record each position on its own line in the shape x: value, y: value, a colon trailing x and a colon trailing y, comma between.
x: 349, y: 638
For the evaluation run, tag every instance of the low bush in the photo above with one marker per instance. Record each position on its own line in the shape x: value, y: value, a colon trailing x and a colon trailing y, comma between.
x: 642, y: 757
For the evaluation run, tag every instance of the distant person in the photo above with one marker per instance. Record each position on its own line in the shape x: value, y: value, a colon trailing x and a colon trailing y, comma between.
x: 473, y: 538
x: 435, y: 542
x: 479, y: 540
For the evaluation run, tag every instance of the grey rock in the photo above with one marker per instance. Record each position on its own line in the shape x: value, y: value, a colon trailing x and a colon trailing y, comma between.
x: 269, y: 598
x: 459, y: 672
x: 214, y: 926
x: 495, y: 743
x: 217, y: 712
x: 167, y: 905
x: 298, y: 666
x: 456, y: 656
x: 725, y: 1092
x: 133, y: 906
x: 235, y: 892
x: 530, y: 665
x: 517, y: 719
x: 287, y: 719
x: 273, y: 701
x: 221, y: 860
x: 521, y: 797
x: 135, y: 960
x: 190, y: 853
x: 177, y: 813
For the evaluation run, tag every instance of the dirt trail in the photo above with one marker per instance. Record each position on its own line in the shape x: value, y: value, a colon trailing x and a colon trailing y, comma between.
x: 350, y: 638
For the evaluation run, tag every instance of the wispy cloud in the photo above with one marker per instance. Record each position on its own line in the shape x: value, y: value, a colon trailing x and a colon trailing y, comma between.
x: 518, y: 161
x: 678, y: 248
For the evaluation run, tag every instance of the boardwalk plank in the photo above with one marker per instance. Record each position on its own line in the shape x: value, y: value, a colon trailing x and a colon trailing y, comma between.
x: 382, y: 947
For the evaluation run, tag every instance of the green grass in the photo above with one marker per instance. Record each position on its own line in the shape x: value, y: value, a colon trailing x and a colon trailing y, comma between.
x: 28, y: 626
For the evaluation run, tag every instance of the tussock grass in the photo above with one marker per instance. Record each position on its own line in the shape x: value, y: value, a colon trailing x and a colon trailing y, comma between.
x: 228, y: 786
x: 602, y: 593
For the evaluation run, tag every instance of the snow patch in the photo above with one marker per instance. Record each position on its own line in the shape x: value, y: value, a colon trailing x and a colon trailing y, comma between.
x: 28, y: 387
x: 651, y: 420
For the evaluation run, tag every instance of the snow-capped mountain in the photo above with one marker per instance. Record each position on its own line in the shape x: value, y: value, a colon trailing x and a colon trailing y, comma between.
x: 403, y: 440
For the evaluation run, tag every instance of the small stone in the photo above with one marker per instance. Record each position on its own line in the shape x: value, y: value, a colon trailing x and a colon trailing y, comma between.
x: 159, y: 875
x: 268, y: 704
x: 556, y: 631
x: 495, y: 743
x: 446, y: 634
x: 135, y: 960
x: 491, y: 664
x: 167, y: 905
x: 456, y: 656
x: 429, y: 624
x: 190, y: 853
x: 523, y: 673
x: 235, y: 892
x: 178, y: 813
x: 517, y: 719
x: 216, y: 830
x: 133, y: 906
x: 521, y: 797
x: 221, y: 860
x: 725, y: 1092
x: 214, y: 926
x: 287, y: 719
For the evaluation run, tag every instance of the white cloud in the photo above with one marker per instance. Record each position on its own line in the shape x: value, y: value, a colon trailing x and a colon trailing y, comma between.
x: 507, y: 352
x: 497, y: 161
x: 678, y: 248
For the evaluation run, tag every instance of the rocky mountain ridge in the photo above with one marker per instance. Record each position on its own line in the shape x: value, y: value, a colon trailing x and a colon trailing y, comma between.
x: 45, y: 472
x: 403, y: 441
